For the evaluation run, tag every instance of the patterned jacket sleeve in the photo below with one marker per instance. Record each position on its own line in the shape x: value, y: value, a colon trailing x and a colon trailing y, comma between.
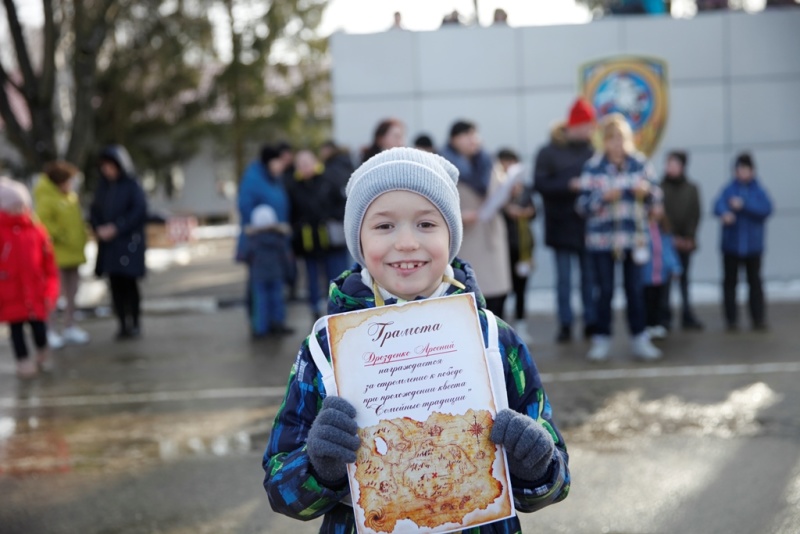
x: 290, y: 482
x: 526, y: 395
x: 590, y: 198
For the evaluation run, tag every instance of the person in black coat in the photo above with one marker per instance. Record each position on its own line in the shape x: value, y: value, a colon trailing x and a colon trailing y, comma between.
x: 317, y: 214
x: 556, y: 178
x: 338, y: 163
x: 118, y: 215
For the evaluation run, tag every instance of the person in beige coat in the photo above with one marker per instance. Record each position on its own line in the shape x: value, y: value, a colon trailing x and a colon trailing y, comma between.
x: 485, y: 243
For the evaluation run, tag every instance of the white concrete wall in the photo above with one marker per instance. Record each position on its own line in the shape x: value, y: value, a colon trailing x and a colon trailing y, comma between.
x: 201, y: 194
x: 734, y: 84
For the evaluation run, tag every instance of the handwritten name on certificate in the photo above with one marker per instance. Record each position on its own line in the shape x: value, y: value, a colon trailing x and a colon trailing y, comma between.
x: 418, y: 377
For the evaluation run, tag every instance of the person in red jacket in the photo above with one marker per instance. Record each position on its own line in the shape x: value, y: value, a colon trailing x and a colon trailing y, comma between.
x: 29, y: 284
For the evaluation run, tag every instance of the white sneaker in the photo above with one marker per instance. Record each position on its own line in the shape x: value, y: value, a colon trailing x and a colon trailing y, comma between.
x: 643, y: 349
x: 657, y: 332
x: 601, y: 346
x: 73, y: 334
x: 521, y: 328
x: 54, y: 340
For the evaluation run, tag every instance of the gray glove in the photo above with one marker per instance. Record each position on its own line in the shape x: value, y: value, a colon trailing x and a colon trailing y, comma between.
x: 529, y: 446
x: 332, y: 441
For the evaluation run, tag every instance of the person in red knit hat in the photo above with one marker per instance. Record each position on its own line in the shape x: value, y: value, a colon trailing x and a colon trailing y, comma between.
x: 582, y: 114
x: 556, y: 177
x: 29, y: 283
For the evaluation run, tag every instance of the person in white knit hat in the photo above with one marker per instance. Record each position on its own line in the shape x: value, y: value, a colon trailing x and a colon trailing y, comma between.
x: 402, y: 224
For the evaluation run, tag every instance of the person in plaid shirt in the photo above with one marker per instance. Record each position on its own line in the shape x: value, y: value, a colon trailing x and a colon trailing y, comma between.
x: 617, y: 192
x: 403, y: 227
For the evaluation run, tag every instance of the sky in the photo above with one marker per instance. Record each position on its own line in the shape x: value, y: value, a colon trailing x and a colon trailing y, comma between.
x: 367, y: 16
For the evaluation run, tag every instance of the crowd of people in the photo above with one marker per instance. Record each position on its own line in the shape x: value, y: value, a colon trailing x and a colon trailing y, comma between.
x: 606, y: 207
x: 603, y: 208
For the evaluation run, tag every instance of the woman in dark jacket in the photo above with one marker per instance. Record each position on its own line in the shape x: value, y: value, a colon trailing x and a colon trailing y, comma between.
x: 118, y: 215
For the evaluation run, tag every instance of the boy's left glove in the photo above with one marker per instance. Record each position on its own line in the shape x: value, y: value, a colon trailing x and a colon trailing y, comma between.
x: 529, y: 446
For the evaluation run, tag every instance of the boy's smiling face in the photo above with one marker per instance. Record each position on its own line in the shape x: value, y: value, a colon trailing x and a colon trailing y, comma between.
x: 405, y: 243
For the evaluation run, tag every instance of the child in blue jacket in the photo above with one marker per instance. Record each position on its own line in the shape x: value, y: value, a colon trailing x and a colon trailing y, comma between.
x: 267, y: 254
x: 403, y: 226
x: 743, y: 207
x: 657, y: 273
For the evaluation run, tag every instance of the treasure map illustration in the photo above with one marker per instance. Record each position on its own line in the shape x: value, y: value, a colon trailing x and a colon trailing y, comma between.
x: 418, y: 375
x: 430, y: 473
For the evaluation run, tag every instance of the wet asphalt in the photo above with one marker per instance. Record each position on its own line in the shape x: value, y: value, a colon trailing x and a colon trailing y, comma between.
x: 164, y: 434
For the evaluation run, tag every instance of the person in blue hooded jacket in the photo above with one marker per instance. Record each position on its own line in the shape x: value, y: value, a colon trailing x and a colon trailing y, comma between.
x: 262, y: 184
x: 118, y: 215
x: 743, y: 207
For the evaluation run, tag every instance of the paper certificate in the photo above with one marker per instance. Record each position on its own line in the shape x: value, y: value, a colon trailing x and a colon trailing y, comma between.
x: 418, y: 377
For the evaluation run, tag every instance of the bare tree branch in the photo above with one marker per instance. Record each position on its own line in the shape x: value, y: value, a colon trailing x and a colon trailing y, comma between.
x: 16, y: 134
x: 90, y: 34
x: 48, y: 74
x: 23, y: 58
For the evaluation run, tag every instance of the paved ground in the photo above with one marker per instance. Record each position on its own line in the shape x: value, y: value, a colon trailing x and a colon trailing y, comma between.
x: 164, y: 434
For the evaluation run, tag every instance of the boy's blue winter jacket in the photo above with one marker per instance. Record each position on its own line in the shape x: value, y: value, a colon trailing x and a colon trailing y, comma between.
x: 290, y: 481
x: 268, y: 257
x: 745, y: 237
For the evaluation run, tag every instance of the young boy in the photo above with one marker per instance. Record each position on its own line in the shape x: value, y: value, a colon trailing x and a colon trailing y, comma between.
x: 403, y: 227
x: 267, y: 253
x: 743, y: 206
x: 28, y: 277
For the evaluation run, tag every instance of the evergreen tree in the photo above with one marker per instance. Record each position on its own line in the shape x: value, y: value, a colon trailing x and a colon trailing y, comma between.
x: 276, y: 83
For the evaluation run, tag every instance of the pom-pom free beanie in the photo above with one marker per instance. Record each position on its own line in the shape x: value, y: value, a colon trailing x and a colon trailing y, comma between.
x: 582, y: 112
x: 403, y: 169
x: 263, y: 216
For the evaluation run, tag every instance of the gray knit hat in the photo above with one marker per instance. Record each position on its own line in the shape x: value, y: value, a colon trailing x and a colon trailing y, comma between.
x: 402, y: 169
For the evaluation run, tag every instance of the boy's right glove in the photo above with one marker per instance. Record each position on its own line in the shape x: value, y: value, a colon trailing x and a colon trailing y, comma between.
x: 529, y: 446
x: 332, y: 441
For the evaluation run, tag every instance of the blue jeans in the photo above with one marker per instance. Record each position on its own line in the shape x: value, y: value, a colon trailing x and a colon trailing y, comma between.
x: 334, y: 263
x: 604, y: 268
x: 267, y: 306
x: 563, y: 259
